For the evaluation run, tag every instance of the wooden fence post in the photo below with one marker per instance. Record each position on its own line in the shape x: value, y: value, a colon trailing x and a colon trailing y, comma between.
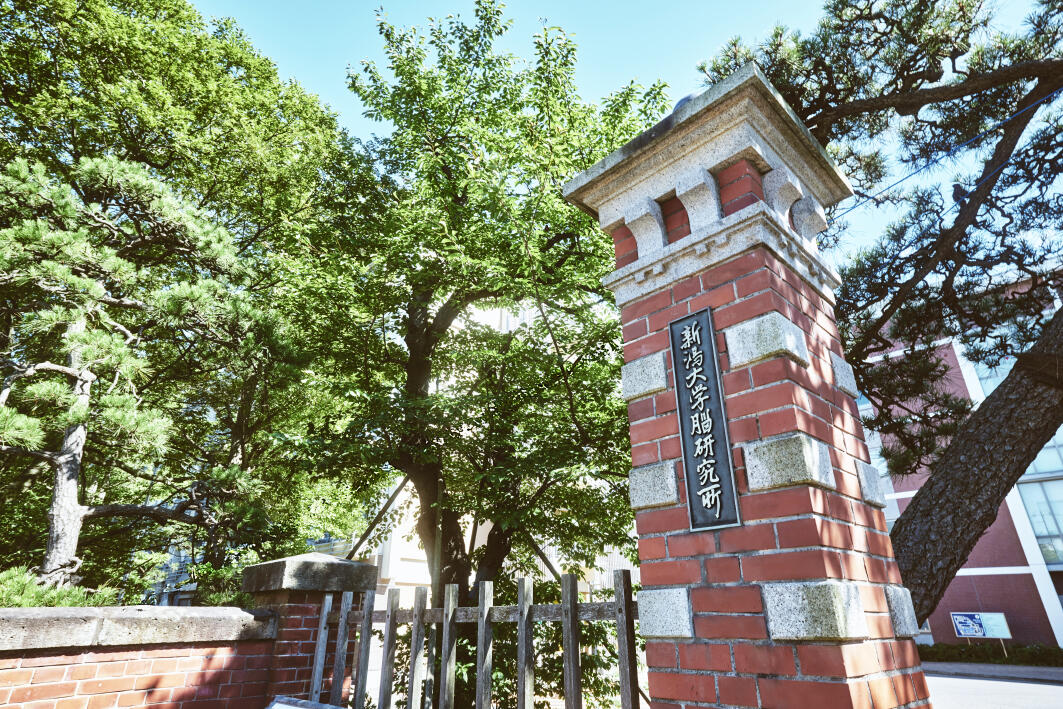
x: 318, y: 670
x: 365, y: 635
x: 413, y: 696
x: 387, y: 667
x: 625, y: 636
x: 448, y: 655
x: 570, y: 641
x: 484, y: 646
x: 525, y: 646
x: 339, y: 663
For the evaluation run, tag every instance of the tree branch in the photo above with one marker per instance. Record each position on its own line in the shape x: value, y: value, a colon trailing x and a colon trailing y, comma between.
x: 44, y: 456
x: 934, y: 252
x: 909, y: 103
x: 182, y: 512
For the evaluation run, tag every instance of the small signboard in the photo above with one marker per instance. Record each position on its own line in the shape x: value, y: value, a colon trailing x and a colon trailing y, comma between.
x: 711, y: 494
x: 995, y: 625
x: 981, y: 625
x: 968, y: 625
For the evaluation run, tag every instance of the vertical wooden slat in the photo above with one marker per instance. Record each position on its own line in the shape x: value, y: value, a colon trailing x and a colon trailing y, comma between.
x: 448, y: 654
x: 413, y: 695
x: 570, y: 641
x: 387, y: 663
x: 525, y: 646
x: 484, y: 646
x: 319, y: 649
x: 365, y: 635
x: 339, y: 664
x: 430, y: 678
x: 625, y: 635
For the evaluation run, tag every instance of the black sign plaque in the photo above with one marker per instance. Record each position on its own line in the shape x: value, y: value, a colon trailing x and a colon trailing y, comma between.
x: 711, y: 494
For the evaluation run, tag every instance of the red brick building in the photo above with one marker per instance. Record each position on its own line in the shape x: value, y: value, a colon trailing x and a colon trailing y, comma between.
x: 1017, y: 566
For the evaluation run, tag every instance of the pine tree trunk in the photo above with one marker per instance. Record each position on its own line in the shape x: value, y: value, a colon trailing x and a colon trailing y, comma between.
x: 982, y: 463
x: 66, y: 514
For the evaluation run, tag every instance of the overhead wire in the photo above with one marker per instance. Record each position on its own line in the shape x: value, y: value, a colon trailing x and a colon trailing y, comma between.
x: 951, y: 150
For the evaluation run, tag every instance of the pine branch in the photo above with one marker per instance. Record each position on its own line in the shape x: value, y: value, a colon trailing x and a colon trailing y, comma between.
x: 935, y: 251
x: 184, y: 511
x: 26, y: 371
x: 909, y: 103
x: 44, y: 456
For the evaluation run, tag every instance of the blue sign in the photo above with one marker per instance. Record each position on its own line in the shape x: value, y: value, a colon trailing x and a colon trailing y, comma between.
x: 968, y: 625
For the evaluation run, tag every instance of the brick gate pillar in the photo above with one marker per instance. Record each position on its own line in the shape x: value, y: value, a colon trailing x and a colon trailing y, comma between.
x: 294, y: 588
x: 792, y: 597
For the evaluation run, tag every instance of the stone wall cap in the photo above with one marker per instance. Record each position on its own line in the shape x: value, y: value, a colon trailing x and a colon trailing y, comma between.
x: 93, y: 627
x: 309, y: 572
x: 747, y: 78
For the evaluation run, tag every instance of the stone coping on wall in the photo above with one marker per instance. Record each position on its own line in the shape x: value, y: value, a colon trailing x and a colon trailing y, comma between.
x: 41, y: 628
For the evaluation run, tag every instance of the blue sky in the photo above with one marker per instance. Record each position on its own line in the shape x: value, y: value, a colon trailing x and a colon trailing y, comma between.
x: 316, y: 41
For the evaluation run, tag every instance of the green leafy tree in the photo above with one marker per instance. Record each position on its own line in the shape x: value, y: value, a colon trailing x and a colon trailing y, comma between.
x: 131, y: 113
x: 892, y: 87
x: 512, y: 436
x: 514, y: 430
x: 88, y: 282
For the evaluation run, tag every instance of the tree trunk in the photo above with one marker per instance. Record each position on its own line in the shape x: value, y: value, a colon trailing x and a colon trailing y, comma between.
x: 982, y: 463
x: 66, y: 514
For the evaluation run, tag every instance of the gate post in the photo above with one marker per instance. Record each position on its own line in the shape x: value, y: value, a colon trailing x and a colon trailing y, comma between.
x: 768, y: 579
x: 295, y: 588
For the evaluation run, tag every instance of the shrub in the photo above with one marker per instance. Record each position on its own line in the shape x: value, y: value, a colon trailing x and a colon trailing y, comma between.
x: 1040, y: 655
x: 20, y: 589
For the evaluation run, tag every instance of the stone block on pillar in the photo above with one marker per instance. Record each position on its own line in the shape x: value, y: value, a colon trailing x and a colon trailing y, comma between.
x: 844, y: 378
x: 653, y: 485
x: 766, y: 337
x: 902, y: 612
x: 787, y: 460
x: 870, y: 489
x: 643, y: 376
x: 665, y: 613
x: 309, y: 572
x: 816, y: 610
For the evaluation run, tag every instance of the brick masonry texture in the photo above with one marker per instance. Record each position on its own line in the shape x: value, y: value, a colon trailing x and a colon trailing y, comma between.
x: 242, y: 674
x: 791, y: 534
x: 195, y: 675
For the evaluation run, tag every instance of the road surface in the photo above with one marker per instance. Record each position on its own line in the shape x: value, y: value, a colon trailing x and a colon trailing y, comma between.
x: 968, y: 693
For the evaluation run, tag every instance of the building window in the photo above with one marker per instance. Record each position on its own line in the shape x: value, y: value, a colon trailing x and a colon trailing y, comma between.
x: 1041, y: 486
x: 1049, y: 462
x: 1044, y: 506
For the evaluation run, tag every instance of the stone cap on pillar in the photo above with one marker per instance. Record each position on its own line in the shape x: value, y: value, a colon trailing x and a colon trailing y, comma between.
x: 741, y: 119
x: 309, y: 572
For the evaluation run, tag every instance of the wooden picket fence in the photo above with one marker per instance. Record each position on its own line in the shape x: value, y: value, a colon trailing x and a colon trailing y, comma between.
x: 569, y: 613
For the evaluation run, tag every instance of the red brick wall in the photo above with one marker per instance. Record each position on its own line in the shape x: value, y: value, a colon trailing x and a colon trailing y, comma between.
x: 624, y: 246
x: 170, y: 676
x: 740, y: 186
x: 293, y: 652
x: 676, y: 222
x: 235, y: 674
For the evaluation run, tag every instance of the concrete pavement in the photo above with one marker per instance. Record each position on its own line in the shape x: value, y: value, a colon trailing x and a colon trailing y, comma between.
x: 968, y: 693
x: 992, y: 671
